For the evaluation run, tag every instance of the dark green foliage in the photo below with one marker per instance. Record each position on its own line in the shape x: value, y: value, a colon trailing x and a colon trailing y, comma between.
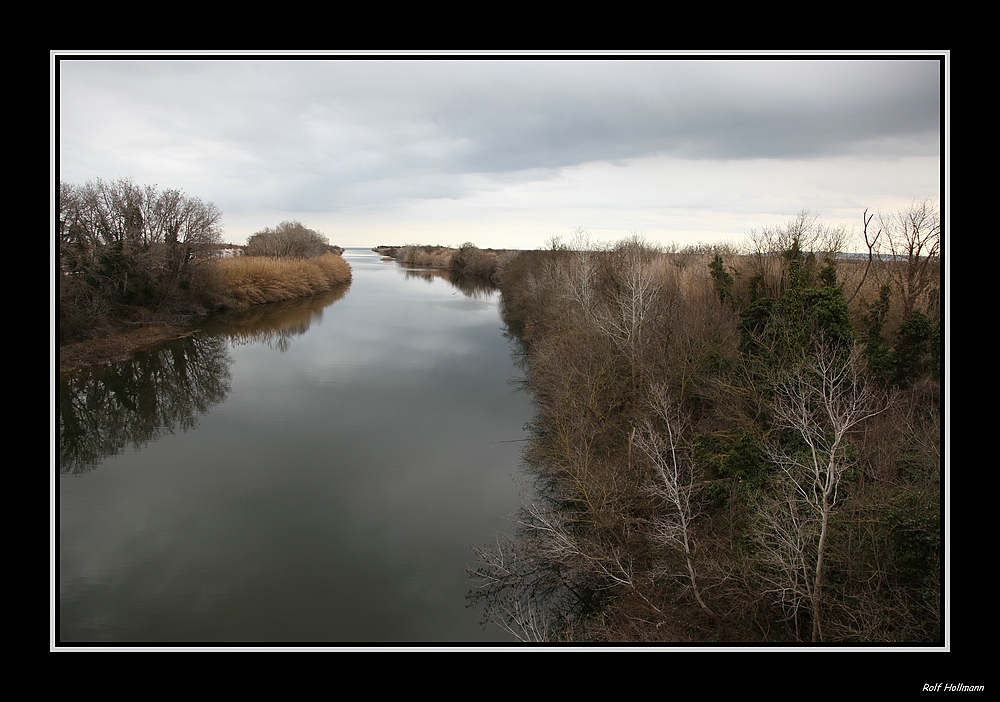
x: 915, y: 339
x: 828, y: 274
x: 878, y: 355
x: 911, y: 348
x: 914, y: 544
x: 721, y: 278
x: 755, y: 326
x: 122, y: 278
x: 716, y: 494
x: 828, y: 316
x: 746, y: 462
x: 936, y: 348
x: 788, y: 327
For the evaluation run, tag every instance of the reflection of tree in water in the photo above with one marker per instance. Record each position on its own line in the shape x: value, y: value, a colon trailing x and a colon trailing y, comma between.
x: 469, y: 285
x: 276, y: 324
x: 538, y: 584
x: 104, y: 409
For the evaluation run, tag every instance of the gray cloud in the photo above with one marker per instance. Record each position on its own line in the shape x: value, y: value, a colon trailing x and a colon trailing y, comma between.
x: 331, y: 134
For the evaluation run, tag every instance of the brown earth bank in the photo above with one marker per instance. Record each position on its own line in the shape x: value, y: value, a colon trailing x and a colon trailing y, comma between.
x: 120, y: 345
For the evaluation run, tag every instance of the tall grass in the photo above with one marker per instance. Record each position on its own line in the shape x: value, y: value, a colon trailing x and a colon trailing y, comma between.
x: 255, y: 280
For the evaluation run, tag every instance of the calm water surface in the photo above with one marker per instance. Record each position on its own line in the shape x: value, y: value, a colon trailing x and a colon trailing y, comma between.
x: 314, y: 471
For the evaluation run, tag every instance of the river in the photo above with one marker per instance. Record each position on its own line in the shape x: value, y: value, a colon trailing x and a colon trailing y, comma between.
x: 316, y: 471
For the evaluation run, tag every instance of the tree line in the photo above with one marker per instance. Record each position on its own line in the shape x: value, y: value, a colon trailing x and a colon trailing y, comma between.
x: 728, y: 446
x: 468, y: 260
x: 127, y: 246
x: 133, y: 254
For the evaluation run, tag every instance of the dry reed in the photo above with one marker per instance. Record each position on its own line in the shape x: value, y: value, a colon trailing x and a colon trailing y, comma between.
x: 255, y: 280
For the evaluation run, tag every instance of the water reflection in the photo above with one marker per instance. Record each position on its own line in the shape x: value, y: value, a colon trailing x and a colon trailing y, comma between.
x: 275, y: 325
x: 470, y: 286
x: 104, y: 409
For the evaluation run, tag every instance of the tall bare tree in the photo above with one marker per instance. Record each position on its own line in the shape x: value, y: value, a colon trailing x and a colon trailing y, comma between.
x: 912, y: 245
x: 823, y: 401
x: 631, y: 306
x: 677, y: 479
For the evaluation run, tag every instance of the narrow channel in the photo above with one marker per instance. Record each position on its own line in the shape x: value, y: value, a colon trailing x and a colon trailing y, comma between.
x: 316, y: 472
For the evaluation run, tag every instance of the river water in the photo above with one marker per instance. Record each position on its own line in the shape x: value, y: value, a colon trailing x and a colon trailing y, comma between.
x: 316, y: 471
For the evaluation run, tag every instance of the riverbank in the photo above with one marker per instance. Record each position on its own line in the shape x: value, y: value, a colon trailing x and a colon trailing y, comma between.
x: 120, y: 345
x: 244, y: 282
x: 468, y: 260
x: 681, y: 400
x: 255, y: 280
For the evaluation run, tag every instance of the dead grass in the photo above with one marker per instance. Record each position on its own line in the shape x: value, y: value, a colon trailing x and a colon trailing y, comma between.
x: 255, y: 280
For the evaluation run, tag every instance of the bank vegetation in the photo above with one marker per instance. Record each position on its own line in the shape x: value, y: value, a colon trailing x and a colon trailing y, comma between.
x: 136, y: 263
x: 728, y: 445
x: 466, y: 260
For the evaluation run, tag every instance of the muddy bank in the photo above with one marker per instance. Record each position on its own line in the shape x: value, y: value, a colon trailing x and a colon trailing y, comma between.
x: 120, y: 345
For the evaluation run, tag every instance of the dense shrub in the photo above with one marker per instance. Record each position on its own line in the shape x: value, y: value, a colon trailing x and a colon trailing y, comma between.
x: 288, y: 239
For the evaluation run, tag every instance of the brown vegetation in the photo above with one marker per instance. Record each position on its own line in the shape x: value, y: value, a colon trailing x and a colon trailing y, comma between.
x: 136, y: 263
x: 289, y: 240
x: 724, y: 449
x: 255, y: 280
x: 467, y: 260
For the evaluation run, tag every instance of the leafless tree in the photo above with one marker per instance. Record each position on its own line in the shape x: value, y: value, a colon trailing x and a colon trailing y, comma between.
x: 287, y: 239
x: 118, y: 234
x: 503, y: 582
x: 581, y: 276
x: 631, y: 308
x: 677, y: 476
x: 912, y: 245
x: 871, y: 243
x: 822, y: 401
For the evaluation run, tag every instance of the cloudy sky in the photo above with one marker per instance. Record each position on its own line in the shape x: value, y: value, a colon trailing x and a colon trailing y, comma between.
x: 509, y: 151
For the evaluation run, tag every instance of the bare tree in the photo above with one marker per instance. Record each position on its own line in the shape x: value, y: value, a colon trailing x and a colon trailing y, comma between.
x: 912, y: 243
x: 287, y: 239
x: 631, y: 308
x: 822, y: 401
x: 505, y: 584
x: 122, y: 236
x: 676, y: 483
x: 870, y: 243
x: 581, y: 276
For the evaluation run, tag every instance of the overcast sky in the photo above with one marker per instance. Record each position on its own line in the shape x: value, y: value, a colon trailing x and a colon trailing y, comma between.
x: 510, y: 152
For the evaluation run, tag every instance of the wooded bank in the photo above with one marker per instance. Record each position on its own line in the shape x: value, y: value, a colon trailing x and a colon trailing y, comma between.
x: 136, y: 264
x: 728, y: 447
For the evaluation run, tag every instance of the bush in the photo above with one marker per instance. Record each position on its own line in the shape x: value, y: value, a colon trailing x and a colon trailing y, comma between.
x: 288, y: 239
